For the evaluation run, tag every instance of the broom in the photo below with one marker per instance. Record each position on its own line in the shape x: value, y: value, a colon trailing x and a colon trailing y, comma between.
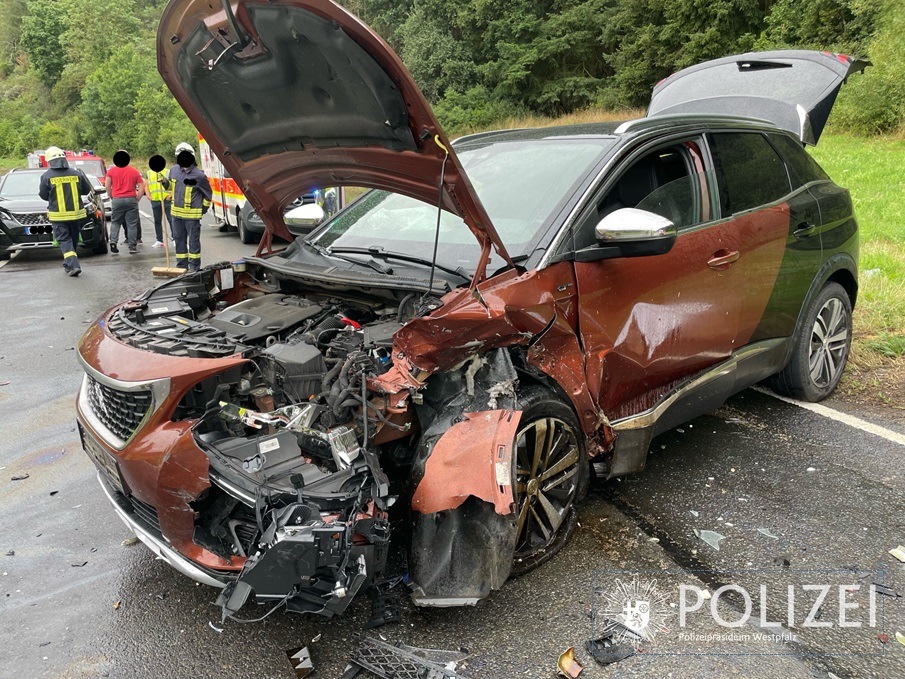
x: 157, y: 164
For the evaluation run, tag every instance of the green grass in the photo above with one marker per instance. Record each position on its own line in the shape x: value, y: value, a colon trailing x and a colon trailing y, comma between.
x: 872, y: 170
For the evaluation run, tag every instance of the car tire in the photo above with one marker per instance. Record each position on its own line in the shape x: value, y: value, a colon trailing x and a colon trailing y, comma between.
x: 244, y: 234
x: 545, y: 503
x: 102, y: 247
x: 821, y: 349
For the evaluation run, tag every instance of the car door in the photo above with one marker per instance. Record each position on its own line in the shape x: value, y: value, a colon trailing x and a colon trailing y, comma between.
x: 778, y: 256
x: 647, y: 323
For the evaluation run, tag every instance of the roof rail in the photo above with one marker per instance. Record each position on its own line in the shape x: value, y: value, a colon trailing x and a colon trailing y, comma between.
x: 657, y: 120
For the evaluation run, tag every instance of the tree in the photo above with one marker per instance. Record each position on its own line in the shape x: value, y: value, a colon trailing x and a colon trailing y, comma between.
x: 42, y: 28
x: 110, y: 97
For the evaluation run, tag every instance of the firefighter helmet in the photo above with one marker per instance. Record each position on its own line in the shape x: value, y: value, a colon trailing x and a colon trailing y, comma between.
x: 56, y: 157
x: 183, y: 146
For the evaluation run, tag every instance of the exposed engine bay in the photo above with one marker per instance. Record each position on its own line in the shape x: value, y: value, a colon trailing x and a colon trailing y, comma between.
x: 297, y: 491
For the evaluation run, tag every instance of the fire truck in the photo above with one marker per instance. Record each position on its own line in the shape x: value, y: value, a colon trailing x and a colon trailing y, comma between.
x: 85, y: 160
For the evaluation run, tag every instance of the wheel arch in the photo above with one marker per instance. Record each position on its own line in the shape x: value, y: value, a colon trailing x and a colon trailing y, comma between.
x: 840, y: 268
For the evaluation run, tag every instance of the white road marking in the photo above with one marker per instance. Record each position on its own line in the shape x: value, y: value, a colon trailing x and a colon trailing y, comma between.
x: 145, y: 214
x: 839, y: 416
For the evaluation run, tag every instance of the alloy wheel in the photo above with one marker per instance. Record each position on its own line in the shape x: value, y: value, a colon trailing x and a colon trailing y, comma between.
x: 829, y: 343
x: 547, y: 466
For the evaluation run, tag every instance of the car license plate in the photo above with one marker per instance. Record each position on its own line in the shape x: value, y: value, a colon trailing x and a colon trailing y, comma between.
x: 103, y: 460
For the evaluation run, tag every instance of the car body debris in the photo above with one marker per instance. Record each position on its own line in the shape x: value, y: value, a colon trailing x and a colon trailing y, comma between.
x: 400, y: 661
x: 711, y: 537
x: 567, y: 665
x: 899, y: 553
x: 607, y: 651
x: 19, y: 477
x: 300, y: 659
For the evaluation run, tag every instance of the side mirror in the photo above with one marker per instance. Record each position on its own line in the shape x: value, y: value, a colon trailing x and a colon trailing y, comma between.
x: 311, y: 214
x: 629, y: 232
x: 635, y: 233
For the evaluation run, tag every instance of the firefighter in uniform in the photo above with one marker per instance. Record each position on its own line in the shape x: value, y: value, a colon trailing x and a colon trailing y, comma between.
x: 157, y: 189
x: 62, y: 187
x: 191, y: 199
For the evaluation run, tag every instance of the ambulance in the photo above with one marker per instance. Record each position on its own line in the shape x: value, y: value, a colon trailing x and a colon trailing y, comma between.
x: 228, y: 198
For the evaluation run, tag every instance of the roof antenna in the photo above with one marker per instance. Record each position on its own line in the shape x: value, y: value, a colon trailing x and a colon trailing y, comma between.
x: 439, y: 209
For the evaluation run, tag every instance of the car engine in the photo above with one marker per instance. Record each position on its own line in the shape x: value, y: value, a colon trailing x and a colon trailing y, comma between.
x: 296, y: 487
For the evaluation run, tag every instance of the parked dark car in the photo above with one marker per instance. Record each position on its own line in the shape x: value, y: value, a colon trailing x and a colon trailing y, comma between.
x: 101, y: 191
x: 442, y: 365
x: 300, y: 218
x: 23, y: 217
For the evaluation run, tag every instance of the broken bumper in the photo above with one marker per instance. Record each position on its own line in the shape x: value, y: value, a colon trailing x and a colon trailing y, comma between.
x: 156, y: 542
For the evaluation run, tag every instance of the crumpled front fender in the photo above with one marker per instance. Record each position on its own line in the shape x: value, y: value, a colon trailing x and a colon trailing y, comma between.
x: 473, y: 458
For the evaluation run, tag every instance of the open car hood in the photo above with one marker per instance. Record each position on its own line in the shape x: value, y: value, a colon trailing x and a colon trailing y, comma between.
x: 793, y: 89
x: 294, y: 95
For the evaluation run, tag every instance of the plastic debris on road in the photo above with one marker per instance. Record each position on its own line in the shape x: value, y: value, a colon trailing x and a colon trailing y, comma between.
x: 128, y: 542
x: 899, y: 553
x: 766, y: 531
x: 300, y: 659
x: 567, y: 665
x: 712, y: 538
x: 606, y: 652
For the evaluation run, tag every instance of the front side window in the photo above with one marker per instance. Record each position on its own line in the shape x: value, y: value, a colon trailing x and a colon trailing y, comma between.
x: 669, y: 181
x: 751, y: 174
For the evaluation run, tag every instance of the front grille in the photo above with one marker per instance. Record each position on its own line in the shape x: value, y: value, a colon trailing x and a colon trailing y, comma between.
x: 120, y: 411
x: 145, y: 513
x: 31, y: 218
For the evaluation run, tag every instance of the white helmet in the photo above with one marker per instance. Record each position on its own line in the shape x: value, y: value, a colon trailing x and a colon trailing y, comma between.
x: 183, y: 146
x: 53, y: 153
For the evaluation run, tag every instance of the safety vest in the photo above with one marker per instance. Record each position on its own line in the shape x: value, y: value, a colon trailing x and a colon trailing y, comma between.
x: 191, y: 192
x: 62, y: 189
x: 156, y: 182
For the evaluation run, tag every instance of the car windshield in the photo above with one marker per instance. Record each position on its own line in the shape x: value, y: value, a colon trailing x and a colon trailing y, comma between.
x: 522, y: 184
x: 21, y: 184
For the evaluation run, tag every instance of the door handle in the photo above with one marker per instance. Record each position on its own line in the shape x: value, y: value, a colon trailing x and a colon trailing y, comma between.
x: 804, y: 230
x: 722, y: 259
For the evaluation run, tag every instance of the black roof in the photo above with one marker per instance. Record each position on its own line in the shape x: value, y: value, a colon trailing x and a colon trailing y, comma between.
x: 623, y: 129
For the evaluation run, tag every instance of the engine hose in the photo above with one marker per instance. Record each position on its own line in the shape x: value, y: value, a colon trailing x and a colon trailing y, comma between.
x: 327, y: 382
x: 405, y: 300
x: 338, y: 404
x: 344, y: 379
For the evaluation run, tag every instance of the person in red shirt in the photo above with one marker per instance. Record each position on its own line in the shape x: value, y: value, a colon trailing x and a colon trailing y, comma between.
x: 125, y: 186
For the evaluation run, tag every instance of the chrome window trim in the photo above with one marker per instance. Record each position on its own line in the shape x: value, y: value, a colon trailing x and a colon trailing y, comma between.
x: 159, y: 389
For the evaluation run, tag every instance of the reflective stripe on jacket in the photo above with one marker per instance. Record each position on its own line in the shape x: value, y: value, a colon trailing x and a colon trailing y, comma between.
x: 62, y: 189
x: 191, y: 192
x: 158, y: 185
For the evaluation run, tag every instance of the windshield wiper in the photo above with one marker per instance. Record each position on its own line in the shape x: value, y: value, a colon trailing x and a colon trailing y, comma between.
x: 321, y: 250
x: 378, y: 251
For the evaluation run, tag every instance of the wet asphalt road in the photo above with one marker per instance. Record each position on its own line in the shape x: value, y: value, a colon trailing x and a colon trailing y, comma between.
x: 76, y: 602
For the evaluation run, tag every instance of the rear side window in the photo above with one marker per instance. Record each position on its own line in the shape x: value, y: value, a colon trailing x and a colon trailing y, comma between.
x: 750, y: 172
x: 802, y: 168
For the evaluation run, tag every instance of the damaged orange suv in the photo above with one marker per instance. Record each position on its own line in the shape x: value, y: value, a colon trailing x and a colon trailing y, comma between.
x: 443, y: 364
